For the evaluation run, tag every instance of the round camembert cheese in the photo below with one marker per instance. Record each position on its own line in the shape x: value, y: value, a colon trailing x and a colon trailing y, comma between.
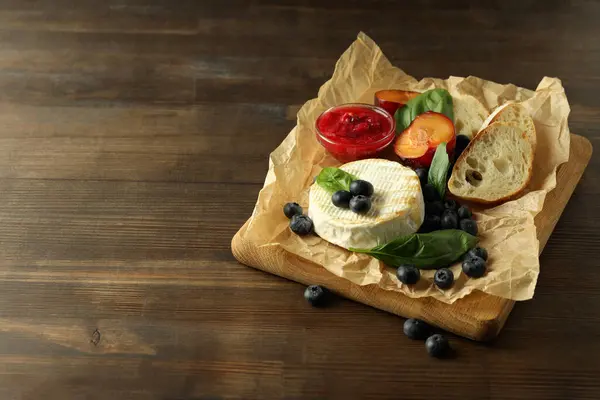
x: 397, y: 207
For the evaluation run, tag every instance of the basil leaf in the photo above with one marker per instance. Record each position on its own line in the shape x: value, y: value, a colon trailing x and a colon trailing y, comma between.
x: 334, y: 179
x: 425, y: 250
x: 438, y: 100
x: 438, y: 171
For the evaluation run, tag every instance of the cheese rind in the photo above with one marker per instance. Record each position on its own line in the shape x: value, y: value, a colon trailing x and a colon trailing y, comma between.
x: 397, y: 207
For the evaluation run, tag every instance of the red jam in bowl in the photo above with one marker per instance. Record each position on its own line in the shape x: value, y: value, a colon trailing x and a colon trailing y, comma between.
x: 355, y: 131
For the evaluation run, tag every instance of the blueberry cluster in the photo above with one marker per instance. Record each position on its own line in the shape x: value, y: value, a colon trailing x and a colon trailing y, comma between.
x: 357, y: 199
x: 446, y: 214
x: 300, y: 224
x: 474, y: 263
x: 437, y: 345
x: 409, y: 274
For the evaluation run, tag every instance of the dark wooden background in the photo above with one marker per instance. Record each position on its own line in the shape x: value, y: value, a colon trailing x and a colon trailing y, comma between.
x: 134, y: 137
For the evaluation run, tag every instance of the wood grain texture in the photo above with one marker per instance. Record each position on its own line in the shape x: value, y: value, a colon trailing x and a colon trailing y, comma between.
x: 477, y: 316
x: 134, y: 138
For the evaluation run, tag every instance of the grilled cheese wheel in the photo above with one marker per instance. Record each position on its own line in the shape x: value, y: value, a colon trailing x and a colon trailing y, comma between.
x: 397, y: 207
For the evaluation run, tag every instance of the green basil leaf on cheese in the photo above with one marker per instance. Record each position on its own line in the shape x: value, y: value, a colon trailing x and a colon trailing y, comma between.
x: 333, y: 179
x: 425, y: 250
x: 438, y: 100
x: 438, y: 171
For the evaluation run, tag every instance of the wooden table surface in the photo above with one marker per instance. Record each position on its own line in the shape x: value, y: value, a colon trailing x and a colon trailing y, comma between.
x: 134, y: 137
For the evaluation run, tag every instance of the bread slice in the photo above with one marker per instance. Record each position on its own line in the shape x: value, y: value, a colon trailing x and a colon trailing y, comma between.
x: 469, y: 114
x: 496, y: 165
x: 514, y: 113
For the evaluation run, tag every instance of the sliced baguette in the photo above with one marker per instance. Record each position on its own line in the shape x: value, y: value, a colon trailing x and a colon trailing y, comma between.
x: 469, y: 114
x: 514, y: 113
x: 495, y: 167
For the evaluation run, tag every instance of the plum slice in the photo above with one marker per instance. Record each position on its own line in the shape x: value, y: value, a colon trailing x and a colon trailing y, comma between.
x: 391, y: 100
x: 416, y: 144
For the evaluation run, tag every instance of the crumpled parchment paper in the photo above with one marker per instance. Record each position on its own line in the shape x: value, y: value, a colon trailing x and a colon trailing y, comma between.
x: 506, y: 231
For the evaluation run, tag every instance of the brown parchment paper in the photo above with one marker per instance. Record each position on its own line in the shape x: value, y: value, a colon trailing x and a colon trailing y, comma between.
x: 506, y: 231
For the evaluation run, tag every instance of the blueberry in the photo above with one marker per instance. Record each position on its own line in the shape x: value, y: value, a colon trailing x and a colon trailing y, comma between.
x: 443, y: 278
x: 291, y: 209
x: 451, y: 205
x: 301, y: 225
x: 408, y: 274
x: 360, y: 204
x: 462, y: 141
x: 449, y: 220
x: 437, y: 345
x: 430, y: 224
x: 315, y: 295
x: 469, y: 226
x: 434, y: 208
x: 361, y: 188
x: 422, y: 173
x: 464, y: 212
x: 450, y: 169
x: 478, y: 252
x: 474, y: 267
x: 416, y: 329
x: 341, y: 198
x: 429, y: 193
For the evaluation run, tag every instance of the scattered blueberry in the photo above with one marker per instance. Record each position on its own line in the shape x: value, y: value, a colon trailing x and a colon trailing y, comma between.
x: 291, y: 209
x: 430, y: 224
x: 301, y: 225
x: 341, y: 198
x: 360, y: 204
x: 361, y: 188
x: 464, y: 212
x: 315, y: 295
x: 474, y: 267
x: 443, y: 278
x: 408, y: 274
x: 429, y: 193
x: 450, y: 204
x: 434, y: 208
x: 469, y: 226
x: 449, y: 219
x: 422, y: 173
x: 478, y: 252
x: 416, y: 329
x: 437, y: 345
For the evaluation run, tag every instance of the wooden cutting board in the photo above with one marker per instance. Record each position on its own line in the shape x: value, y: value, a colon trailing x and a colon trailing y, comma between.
x: 478, y: 316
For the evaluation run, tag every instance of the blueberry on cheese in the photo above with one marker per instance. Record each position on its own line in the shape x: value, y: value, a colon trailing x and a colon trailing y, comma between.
x: 360, y: 204
x: 341, y: 198
x: 397, y: 207
x: 361, y: 188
